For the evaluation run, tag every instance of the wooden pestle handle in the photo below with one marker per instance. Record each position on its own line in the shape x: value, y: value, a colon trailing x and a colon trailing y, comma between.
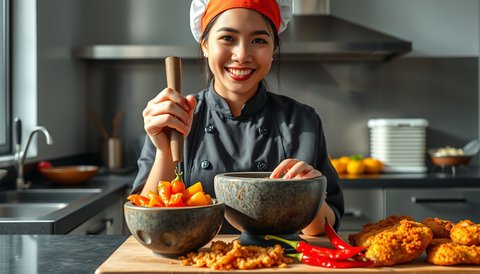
x: 173, y: 68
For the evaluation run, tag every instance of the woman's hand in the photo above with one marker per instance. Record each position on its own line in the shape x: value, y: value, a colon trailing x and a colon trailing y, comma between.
x: 293, y: 168
x: 169, y: 109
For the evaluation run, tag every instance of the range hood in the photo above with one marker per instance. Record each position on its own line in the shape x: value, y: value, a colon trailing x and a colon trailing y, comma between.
x: 314, y: 33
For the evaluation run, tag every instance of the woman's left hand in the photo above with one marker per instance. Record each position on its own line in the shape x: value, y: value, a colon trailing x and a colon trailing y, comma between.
x: 294, y: 169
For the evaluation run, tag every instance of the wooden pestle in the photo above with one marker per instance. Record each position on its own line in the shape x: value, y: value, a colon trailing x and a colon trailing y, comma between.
x: 173, y: 67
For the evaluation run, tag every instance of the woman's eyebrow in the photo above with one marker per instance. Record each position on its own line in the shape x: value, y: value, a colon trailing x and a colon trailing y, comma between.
x: 228, y: 30
x: 256, y: 32
x: 260, y: 32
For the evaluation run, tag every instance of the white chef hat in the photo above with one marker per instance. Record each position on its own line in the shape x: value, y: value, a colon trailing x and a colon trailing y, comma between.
x: 203, y: 11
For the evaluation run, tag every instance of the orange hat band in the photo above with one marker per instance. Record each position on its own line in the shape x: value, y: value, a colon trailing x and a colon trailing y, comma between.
x: 268, y: 8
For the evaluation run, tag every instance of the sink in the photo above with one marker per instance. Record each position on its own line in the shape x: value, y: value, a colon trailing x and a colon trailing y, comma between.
x: 40, y: 196
x: 36, y: 203
x: 28, y: 210
x: 44, y: 210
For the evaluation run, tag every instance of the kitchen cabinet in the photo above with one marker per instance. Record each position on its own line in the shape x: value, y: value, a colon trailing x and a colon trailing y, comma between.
x: 109, y: 221
x: 452, y: 204
x: 362, y: 206
x: 370, y: 198
x: 370, y: 205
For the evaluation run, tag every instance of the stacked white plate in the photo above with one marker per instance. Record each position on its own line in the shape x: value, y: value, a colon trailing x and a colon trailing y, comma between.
x: 399, y: 143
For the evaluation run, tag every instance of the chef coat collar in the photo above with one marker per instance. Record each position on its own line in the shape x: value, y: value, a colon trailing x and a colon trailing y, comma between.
x: 252, y: 106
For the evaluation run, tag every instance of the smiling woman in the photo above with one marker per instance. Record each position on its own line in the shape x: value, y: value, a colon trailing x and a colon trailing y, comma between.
x: 236, y: 123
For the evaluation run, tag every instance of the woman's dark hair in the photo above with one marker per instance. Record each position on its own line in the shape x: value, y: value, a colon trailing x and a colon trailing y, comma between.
x: 276, y: 45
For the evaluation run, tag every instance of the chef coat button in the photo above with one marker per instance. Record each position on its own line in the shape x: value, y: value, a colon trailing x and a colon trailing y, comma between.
x: 205, y: 164
x: 209, y: 128
x: 263, y: 130
x: 262, y: 165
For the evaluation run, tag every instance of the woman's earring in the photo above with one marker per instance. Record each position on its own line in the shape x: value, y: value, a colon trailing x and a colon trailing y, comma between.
x: 205, y: 54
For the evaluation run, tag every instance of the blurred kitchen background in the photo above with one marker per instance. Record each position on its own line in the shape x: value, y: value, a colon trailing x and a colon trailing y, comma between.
x: 58, y: 80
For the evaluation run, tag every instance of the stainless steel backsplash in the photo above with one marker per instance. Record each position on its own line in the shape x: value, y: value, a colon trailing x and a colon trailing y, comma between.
x: 441, y: 90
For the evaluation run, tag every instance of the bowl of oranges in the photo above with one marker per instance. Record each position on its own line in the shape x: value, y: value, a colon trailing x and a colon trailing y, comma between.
x: 174, y: 220
x: 356, y: 165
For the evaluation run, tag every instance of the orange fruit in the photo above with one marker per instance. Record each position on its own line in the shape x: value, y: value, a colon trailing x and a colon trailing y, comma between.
x: 372, y: 165
x: 338, y: 165
x: 344, y: 160
x: 355, y: 167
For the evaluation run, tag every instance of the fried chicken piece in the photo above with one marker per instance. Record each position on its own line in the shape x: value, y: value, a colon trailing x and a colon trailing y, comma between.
x: 400, y: 243
x: 466, y: 232
x: 447, y: 252
x: 365, y: 236
x: 440, y: 228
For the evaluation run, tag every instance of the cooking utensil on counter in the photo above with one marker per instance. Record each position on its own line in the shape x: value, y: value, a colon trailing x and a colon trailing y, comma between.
x: 471, y: 148
x: 69, y: 175
x: 99, y: 125
x: 451, y: 157
x: 257, y: 205
x: 174, y: 231
x: 111, y: 145
x: 117, y: 120
x: 112, y: 153
x: 173, y: 68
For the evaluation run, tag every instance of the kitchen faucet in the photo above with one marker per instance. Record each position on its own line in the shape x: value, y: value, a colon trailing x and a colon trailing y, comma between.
x: 21, y: 154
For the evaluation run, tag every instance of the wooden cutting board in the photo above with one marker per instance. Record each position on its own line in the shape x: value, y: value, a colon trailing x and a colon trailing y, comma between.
x: 132, y: 257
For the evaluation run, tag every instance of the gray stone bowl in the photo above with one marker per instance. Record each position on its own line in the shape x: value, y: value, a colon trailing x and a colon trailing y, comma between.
x: 256, y: 205
x: 174, y: 231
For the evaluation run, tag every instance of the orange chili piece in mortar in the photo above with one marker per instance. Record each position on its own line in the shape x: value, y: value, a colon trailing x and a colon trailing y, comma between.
x: 164, y: 191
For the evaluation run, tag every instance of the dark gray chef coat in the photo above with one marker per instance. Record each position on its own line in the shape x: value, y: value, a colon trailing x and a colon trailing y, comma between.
x: 270, y: 128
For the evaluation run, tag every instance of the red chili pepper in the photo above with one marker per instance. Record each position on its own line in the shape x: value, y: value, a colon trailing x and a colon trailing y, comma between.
x: 335, y: 239
x: 303, y: 247
x: 311, y: 259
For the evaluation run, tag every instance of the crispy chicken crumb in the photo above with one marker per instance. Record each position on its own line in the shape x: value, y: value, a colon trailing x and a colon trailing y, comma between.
x: 227, y: 256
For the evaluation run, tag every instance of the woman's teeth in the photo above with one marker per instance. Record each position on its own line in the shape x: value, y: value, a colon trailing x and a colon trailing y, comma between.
x: 240, y: 72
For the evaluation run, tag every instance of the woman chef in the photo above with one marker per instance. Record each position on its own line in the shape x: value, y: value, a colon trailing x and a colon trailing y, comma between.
x: 236, y: 123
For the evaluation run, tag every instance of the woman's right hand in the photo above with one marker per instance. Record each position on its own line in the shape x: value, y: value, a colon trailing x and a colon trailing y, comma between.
x: 169, y: 109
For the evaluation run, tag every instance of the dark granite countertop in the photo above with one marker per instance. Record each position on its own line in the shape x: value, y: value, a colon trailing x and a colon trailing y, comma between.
x: 464, y: 177
x: 55, y: 253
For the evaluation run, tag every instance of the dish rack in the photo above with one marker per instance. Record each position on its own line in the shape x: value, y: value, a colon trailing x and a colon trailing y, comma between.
x: 399, y: 143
